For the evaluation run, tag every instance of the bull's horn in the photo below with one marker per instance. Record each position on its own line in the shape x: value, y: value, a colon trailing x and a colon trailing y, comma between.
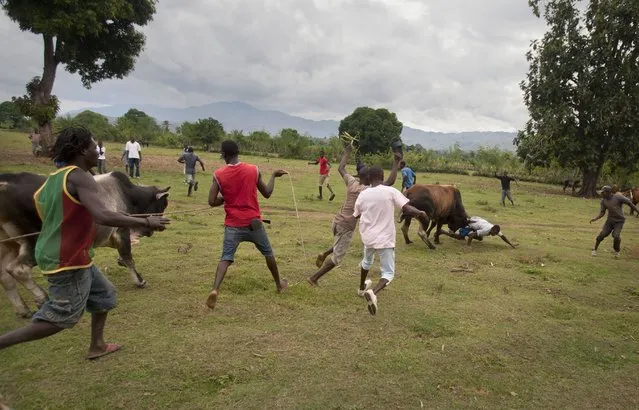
x: 159, y: 195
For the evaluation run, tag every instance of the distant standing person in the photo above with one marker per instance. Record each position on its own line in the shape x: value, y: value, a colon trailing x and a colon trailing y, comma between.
x: 190, y: 160
x: 134, y: 154
x: 613, y: 204
x: 375, y: 209
x: 238, y: 183
x: 505, y: 188
x: 35, y: 142
x: 409, y: 178
x: 101, y: 157
x: 324, y: 174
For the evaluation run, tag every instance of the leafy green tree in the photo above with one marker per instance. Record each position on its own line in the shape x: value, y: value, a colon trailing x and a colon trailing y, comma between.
x: 97, y: 39
x: 376, y: 128
x: 11, y: 117
x: 582, y: 89
x: 207, y: 132
x: 138, y: 124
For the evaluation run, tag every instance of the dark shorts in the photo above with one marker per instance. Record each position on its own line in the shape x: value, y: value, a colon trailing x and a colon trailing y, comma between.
x: 73, y: 291
x: 234, y: 236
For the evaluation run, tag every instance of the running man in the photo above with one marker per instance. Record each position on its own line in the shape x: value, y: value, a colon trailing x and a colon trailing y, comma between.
x: 613, y: 204
x: 375, y: 209
x: 190, y: 160
x: 505, y: 188
x: 324, y: 174
x: 409, y: 178
x: 344, y: 222
x: 69, y: 205
x: 238, y: 183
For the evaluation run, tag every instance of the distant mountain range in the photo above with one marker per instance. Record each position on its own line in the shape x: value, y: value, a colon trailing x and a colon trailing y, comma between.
x: 242, y: 116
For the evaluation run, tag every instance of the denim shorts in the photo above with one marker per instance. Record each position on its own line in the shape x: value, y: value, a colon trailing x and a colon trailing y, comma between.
x: 234, y: 236
x: 73, y: 291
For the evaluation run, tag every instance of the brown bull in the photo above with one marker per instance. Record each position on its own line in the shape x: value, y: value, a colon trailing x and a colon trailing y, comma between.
x: 633, y: 195
x: 443, y: 205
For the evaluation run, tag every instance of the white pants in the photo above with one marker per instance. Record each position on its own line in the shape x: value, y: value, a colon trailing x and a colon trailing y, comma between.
x: 386, y: 259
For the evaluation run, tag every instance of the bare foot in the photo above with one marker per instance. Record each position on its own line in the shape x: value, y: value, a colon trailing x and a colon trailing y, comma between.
x: 108, y: 348
x: 210, y: 301
x: 313, y: 283
x: 283, y: 284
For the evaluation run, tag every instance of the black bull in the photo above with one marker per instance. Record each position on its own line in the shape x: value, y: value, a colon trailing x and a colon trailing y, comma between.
x: 18, y: 217
x: 442, y: 204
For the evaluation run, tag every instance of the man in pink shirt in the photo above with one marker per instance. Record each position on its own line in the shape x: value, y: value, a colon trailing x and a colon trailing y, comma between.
x: 375, y: 208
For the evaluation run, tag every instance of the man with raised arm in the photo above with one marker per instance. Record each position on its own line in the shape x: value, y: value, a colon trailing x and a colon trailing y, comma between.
x: 237, y: 184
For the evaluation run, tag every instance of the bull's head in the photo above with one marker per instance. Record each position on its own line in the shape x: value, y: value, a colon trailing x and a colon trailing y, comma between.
x: 157, y: 204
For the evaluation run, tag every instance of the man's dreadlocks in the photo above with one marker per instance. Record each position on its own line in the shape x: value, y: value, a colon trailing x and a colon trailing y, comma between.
x: 69, y: 144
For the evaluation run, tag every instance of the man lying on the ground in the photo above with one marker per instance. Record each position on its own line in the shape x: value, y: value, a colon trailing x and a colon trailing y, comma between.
x: 476, y: 229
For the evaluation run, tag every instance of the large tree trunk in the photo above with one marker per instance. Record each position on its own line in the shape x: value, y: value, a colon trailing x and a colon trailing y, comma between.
x: 589, y: 185
x: 43, y: 92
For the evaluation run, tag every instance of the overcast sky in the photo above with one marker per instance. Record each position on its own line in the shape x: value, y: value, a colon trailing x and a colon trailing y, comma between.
x: 441, y: 65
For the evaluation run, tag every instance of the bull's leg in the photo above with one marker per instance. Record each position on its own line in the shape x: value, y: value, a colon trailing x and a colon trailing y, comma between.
x: 124, y: 249
x: 25, y: 257
x: 438, y: 232
x: 405, y: 228
x: 424, y: 235
x: 9, y: 284
x: 23, y: 275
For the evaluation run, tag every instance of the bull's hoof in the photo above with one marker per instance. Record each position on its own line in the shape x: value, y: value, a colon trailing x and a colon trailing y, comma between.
x: 408, y: 242
x: 121, y: 262
x: 141, y: 285
x: 437, y: 242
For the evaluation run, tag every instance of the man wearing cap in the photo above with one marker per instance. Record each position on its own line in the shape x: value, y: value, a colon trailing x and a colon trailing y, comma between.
x: 613, y: 204
x: 344, y: 222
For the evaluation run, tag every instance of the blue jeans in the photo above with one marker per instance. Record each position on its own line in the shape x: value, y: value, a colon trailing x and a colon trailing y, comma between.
x: 386, y: 260
x: 134, y: 162
x: 234, y: 236
x: 73, y: 291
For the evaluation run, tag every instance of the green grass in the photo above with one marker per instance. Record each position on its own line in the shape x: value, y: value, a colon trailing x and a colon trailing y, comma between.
x: 542, y: 326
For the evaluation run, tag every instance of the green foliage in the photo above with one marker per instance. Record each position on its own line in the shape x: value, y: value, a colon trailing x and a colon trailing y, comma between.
x: 376, y: 129
x: 96, y: 39
x: 98, y: 124
x: 582, y: 90
x: 206, y: 132
x: 11, y: 117
x: 40, y: 112
x: 138, y: 124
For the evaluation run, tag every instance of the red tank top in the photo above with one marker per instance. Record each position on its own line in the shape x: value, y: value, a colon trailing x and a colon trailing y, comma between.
x: 238, y: 186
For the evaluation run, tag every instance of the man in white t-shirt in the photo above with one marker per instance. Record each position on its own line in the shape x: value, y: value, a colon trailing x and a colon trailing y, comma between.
x: 134, y: 154
x: 479, y: 227
x: 375, y: 208
x: 101, y: 157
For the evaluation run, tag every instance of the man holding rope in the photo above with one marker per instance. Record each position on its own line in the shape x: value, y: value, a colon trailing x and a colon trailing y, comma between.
x: 238, y: 183
x: 69, y: 205
x: 344, y: 222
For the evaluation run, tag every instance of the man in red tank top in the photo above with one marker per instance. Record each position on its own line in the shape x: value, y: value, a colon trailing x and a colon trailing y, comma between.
x: 235, y: 185
x: 324, y: 174
x: 74, y: 289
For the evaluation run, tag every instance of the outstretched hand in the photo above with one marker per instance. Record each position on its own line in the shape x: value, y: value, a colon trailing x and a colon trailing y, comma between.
x: 398, y: 156
x: 279, y: 173
x: 157, y: 223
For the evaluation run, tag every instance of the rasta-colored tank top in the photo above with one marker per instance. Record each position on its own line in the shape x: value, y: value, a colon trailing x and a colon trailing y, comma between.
x: 66, y: 238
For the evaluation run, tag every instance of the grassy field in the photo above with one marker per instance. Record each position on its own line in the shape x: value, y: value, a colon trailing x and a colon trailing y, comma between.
x: 542, y: 326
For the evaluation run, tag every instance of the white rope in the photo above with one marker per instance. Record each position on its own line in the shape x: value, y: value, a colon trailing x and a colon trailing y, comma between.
x: 297, y: 214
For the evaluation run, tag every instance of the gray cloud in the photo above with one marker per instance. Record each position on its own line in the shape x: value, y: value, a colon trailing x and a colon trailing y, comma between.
x: 444, y: 65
